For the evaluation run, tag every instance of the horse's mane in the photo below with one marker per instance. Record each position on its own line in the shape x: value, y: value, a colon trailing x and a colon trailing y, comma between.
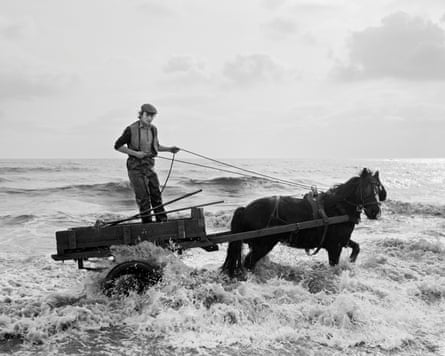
x: 347, y: 189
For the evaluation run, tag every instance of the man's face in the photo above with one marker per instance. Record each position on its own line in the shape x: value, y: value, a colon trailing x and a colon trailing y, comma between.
x: 147, y: 118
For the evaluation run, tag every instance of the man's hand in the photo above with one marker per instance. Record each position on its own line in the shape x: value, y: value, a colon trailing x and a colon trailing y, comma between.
x: 174, y: 149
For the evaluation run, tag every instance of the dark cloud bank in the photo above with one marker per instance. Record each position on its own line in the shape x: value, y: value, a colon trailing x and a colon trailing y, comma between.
x: 402, y: 47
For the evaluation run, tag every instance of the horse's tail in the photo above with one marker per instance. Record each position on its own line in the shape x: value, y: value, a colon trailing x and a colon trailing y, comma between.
x: 232, y: 264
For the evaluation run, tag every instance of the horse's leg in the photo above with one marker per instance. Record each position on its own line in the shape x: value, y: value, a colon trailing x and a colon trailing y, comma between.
x: 258, y: 249
x: 334, y: 252
x: 355, y: 250
x: 232, y: 264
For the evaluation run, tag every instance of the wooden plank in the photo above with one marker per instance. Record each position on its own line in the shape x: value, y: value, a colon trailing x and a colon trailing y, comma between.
x: 84, y: 254
x: 72, y: 240
x: 91, y: 234
x: 61, y: 242
x: 95, y: 244
x: 127, y: 234
x: 87, y: 238
x: 127, y: 223
x: 198, y: 215
x: 132, y: 234
x: 181, y: 230
x: 270, y: 231
x: 107, y: 243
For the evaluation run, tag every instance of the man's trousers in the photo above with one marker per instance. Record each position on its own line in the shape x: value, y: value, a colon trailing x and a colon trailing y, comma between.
x: 148, y: 193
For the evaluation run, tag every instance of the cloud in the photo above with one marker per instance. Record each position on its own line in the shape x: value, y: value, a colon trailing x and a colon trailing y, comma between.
x: 110, y: 121
x: 402, y: 47
x: 307, y: 6
x: 281, y: 26
x: 273, y: 4
x: 186, y: 71
x: 379, y: 129
x: 316, y: 7
x: 418, y: 114
x: 23, y: 82
x: 155, y: 9
x: 10, y: 122
x: 252, y: 69
x: 17, y: 29
x: 183, y: 64
x: 395, y: 117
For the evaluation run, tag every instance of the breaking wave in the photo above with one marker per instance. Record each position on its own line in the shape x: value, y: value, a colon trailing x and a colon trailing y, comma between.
x: 238, y: 184
x: 18, y: 219
x: 101, y: 188
x: 406, y: 208
x: 389, y: 303
x: 306, y: 306
x: 44, y: 169
x: 224, y: 181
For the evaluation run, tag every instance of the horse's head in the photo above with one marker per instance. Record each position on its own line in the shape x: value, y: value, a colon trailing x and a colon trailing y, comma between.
x: 369, y: 192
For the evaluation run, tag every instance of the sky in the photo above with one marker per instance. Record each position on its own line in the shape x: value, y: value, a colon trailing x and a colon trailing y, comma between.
x: 230, y: 79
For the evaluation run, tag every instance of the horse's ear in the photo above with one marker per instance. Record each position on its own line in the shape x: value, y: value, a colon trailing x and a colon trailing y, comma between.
x: 376, y: 174
x: 365, y: 172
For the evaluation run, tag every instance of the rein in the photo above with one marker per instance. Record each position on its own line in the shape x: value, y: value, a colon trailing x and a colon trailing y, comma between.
x: 325, y: 230
x: 169, y: 173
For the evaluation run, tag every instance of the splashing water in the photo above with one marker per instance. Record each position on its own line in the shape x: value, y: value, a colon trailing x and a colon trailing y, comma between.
x: 391, y: 302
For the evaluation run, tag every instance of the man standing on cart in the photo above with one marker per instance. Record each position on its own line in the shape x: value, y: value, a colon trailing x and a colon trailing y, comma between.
x: 140, y: 142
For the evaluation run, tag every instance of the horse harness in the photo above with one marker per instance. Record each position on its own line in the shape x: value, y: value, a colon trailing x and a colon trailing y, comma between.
x: 274, y: 215
x: 316, y: 202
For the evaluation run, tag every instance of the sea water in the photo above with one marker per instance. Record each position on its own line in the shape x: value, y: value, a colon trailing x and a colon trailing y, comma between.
x: 390, y: 302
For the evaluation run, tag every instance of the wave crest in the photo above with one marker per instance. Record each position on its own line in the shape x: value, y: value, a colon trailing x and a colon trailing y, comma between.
x: 406, y: 208
x: 237, y: 184
x: 43, y: 169
x: 110, y: 187
x: 17, y: 219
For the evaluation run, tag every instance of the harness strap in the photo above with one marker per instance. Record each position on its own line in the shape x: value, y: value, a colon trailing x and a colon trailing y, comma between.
x: 275, y: 214
x: 318, y: 211
x: 313, y: 201
x: 325, y: 228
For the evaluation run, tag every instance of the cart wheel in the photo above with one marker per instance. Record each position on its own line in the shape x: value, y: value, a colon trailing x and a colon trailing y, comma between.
x: 131, y: 276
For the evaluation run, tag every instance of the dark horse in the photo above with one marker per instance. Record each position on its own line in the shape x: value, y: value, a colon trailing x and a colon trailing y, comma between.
x: 359, y: 193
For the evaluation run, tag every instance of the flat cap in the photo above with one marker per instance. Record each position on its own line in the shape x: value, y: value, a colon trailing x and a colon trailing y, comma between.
x: 148, y: 108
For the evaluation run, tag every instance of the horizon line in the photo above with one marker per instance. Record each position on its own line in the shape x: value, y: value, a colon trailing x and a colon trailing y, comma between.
x: 243, y: 158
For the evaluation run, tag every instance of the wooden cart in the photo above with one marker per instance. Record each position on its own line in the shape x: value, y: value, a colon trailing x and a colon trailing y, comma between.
x: 82, y: 243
